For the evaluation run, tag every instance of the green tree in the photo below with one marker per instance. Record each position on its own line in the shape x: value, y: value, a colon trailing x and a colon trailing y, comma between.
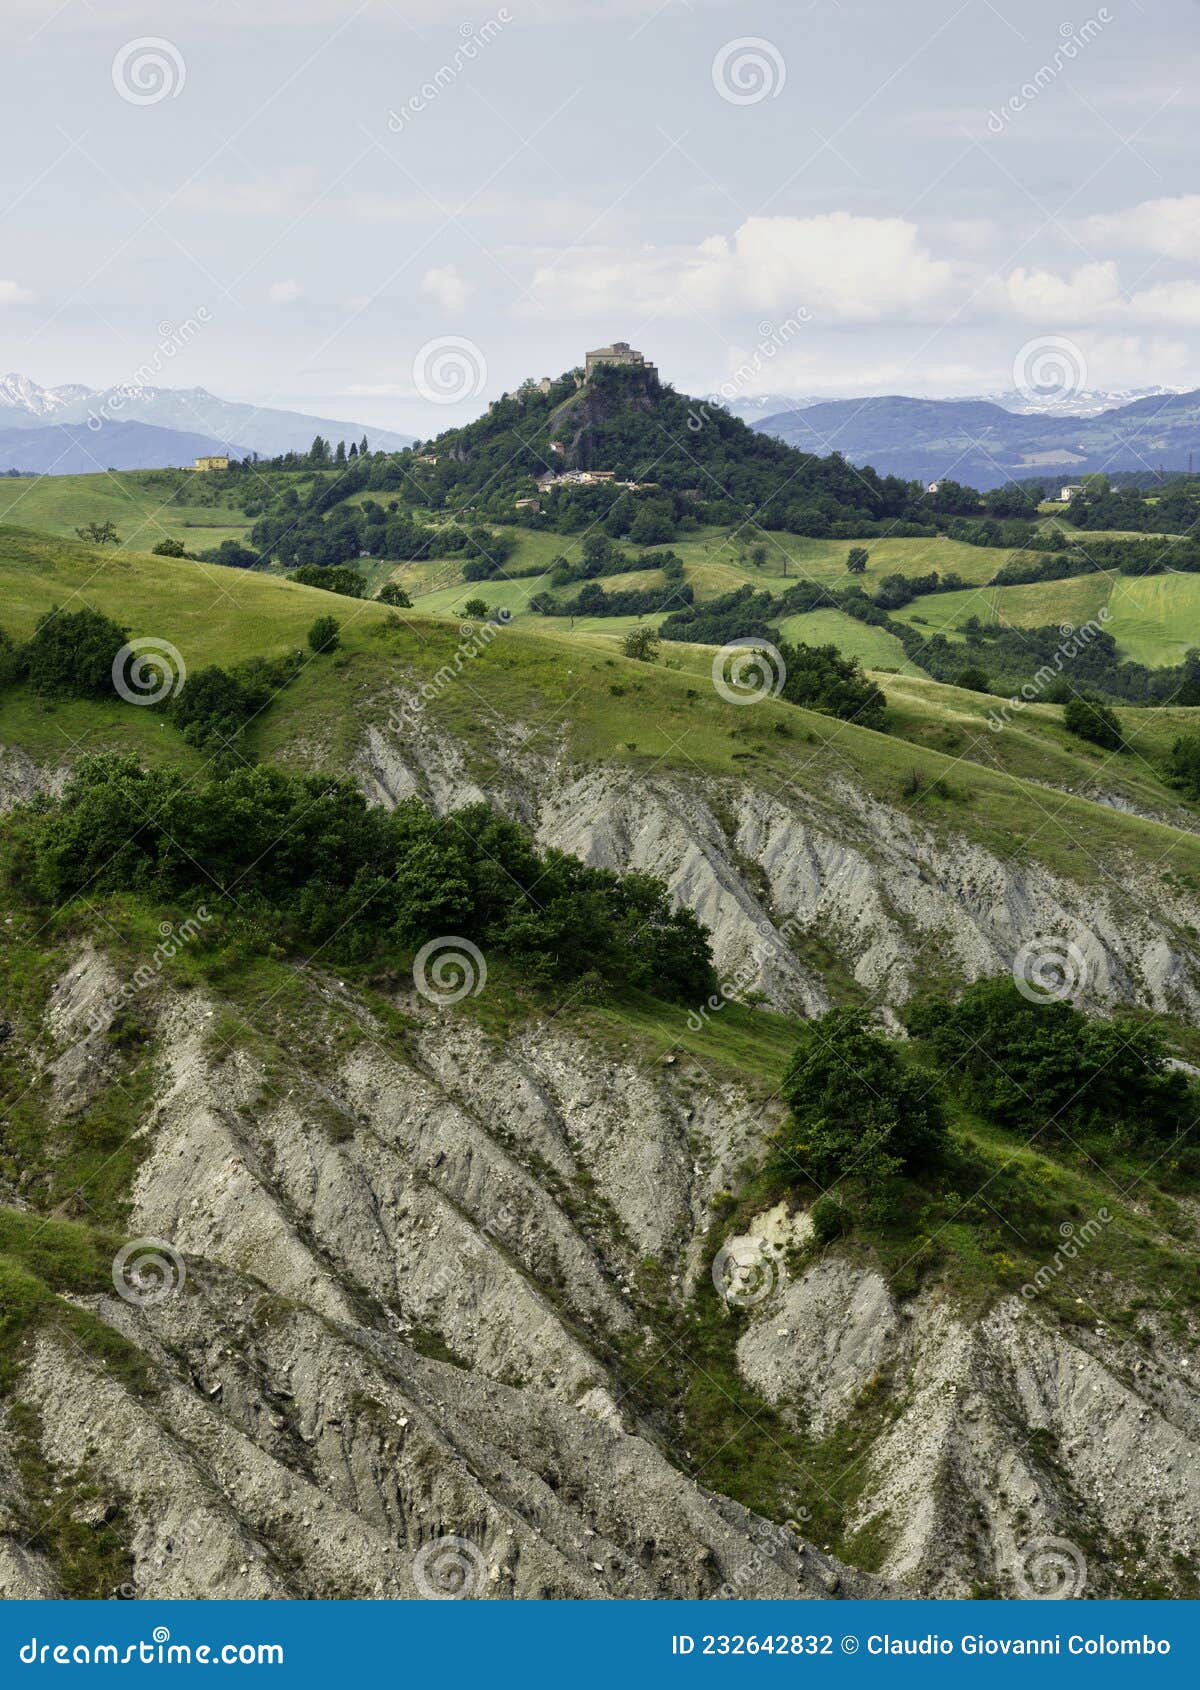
x: 99, y: 533
x: 325, y: 634
x: 1043, y: 1066
x: 231, y: 554
x: 476, y: 609
x: 1090, y: 718
x: 857, y: 559
x: 333, y: 579
x: 820, y: 678
x: 856, y: 1110
x: 973, y: 679
x: 1183, y: 765
x: 654, y: 523
x: 72, y: 653
x: 394, y: 594
x: 169, y: 548
x: 642, y: 644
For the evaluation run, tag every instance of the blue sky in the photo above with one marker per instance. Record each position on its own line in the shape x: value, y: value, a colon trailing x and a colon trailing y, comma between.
x: 812, y: 198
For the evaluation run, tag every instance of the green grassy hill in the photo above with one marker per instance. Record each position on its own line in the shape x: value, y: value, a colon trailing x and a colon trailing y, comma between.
x: 574, y: 686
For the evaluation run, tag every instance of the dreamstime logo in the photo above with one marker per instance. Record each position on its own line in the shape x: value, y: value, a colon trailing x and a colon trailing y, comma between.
x: 1070, y: 43
x: 448, y: 369
x: 449, y: 1569
x: 1050, y: 369
x: 1048, y: 969
x: 172, y: 939
x: 148, y: 70
x: 148, y: 1271
x: 472, y: 39
x: 1048, y: 1569
x: 747, y: 670
x: 1075, y: 641
x: 148, y: 670
x: 172, y: 340
x: 449, y: 969
x: 746, y: 1270
x: 475, y: 638
x: 772, y: 339
x: 748, y: 70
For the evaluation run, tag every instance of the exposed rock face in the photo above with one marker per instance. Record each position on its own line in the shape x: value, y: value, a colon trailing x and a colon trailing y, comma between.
x: 401, y: 1277
x: 892, y: 899
x: 413, y: 1267
x: 999, y: 1435
x: 336, y: 1234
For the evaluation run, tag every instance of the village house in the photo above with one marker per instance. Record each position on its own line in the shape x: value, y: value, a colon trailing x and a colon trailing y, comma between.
x: 1069, y: 491
x: 212, y: 463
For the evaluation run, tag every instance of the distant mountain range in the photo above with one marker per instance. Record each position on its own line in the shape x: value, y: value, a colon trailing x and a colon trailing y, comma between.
x: 983, y: 444
x: 172, y: 420
x: 1088, y: 402
x: 76, y: 449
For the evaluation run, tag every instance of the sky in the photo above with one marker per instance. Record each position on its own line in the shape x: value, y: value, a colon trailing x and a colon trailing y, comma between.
x: 393, y: 211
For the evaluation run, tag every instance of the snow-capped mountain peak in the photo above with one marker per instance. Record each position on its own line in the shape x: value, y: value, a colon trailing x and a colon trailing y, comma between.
x: 22, y: 393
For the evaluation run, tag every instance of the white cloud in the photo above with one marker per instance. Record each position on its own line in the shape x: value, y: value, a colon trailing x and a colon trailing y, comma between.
x: 447, y: 286
x: 286, y: 292
x: 1169, y: 302
x: 1170, y: 227
x: 12, y: 293
x: 1091, y: 291
x: 841, y: 267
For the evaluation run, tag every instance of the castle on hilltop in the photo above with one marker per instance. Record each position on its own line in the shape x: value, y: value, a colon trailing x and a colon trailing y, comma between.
x: 620, y: 352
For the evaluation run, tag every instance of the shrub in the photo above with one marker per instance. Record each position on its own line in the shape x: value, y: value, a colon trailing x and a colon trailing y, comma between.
x: 1044, y: 1066
x: 394, y: 594
x: 820, y: 678
x: 973, y: 679
x: 1182, y: 769
x: 325, y: 634
x: 830, y: 1219
x: 169, y: 548
x: 642, y: 644
x: 1090, y: 718
x: 215, y: 705
x: 11, y: 660
x: 317, y: 867
x: 856, y: 1110
x: 233, y: 555
x: 332, y: 578
x: 476, y: 609
x: 72, y: 652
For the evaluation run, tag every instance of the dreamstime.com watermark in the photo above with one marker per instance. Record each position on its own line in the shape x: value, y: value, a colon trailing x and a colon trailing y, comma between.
x: 157, y: 1650
x: 748, y: 670
x: 1072, y: 41
x: 172, y: 340
x: 773, y: 339
x: 474, y: 39
x: 475, y: 637
x: 449, y: 969
x: 1076, y: 1241
x: 732, y: 988
x: 147, y: 1271
x: 748, y: 70
x: 148, y: 70
x: 1074, y: 642
x: 172, y: 939
x: 449, y: 1569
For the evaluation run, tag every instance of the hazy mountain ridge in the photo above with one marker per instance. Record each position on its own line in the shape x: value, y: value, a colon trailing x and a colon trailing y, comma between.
x: 77, y: 449
x: 979, y: 442
x: 228, y: 424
